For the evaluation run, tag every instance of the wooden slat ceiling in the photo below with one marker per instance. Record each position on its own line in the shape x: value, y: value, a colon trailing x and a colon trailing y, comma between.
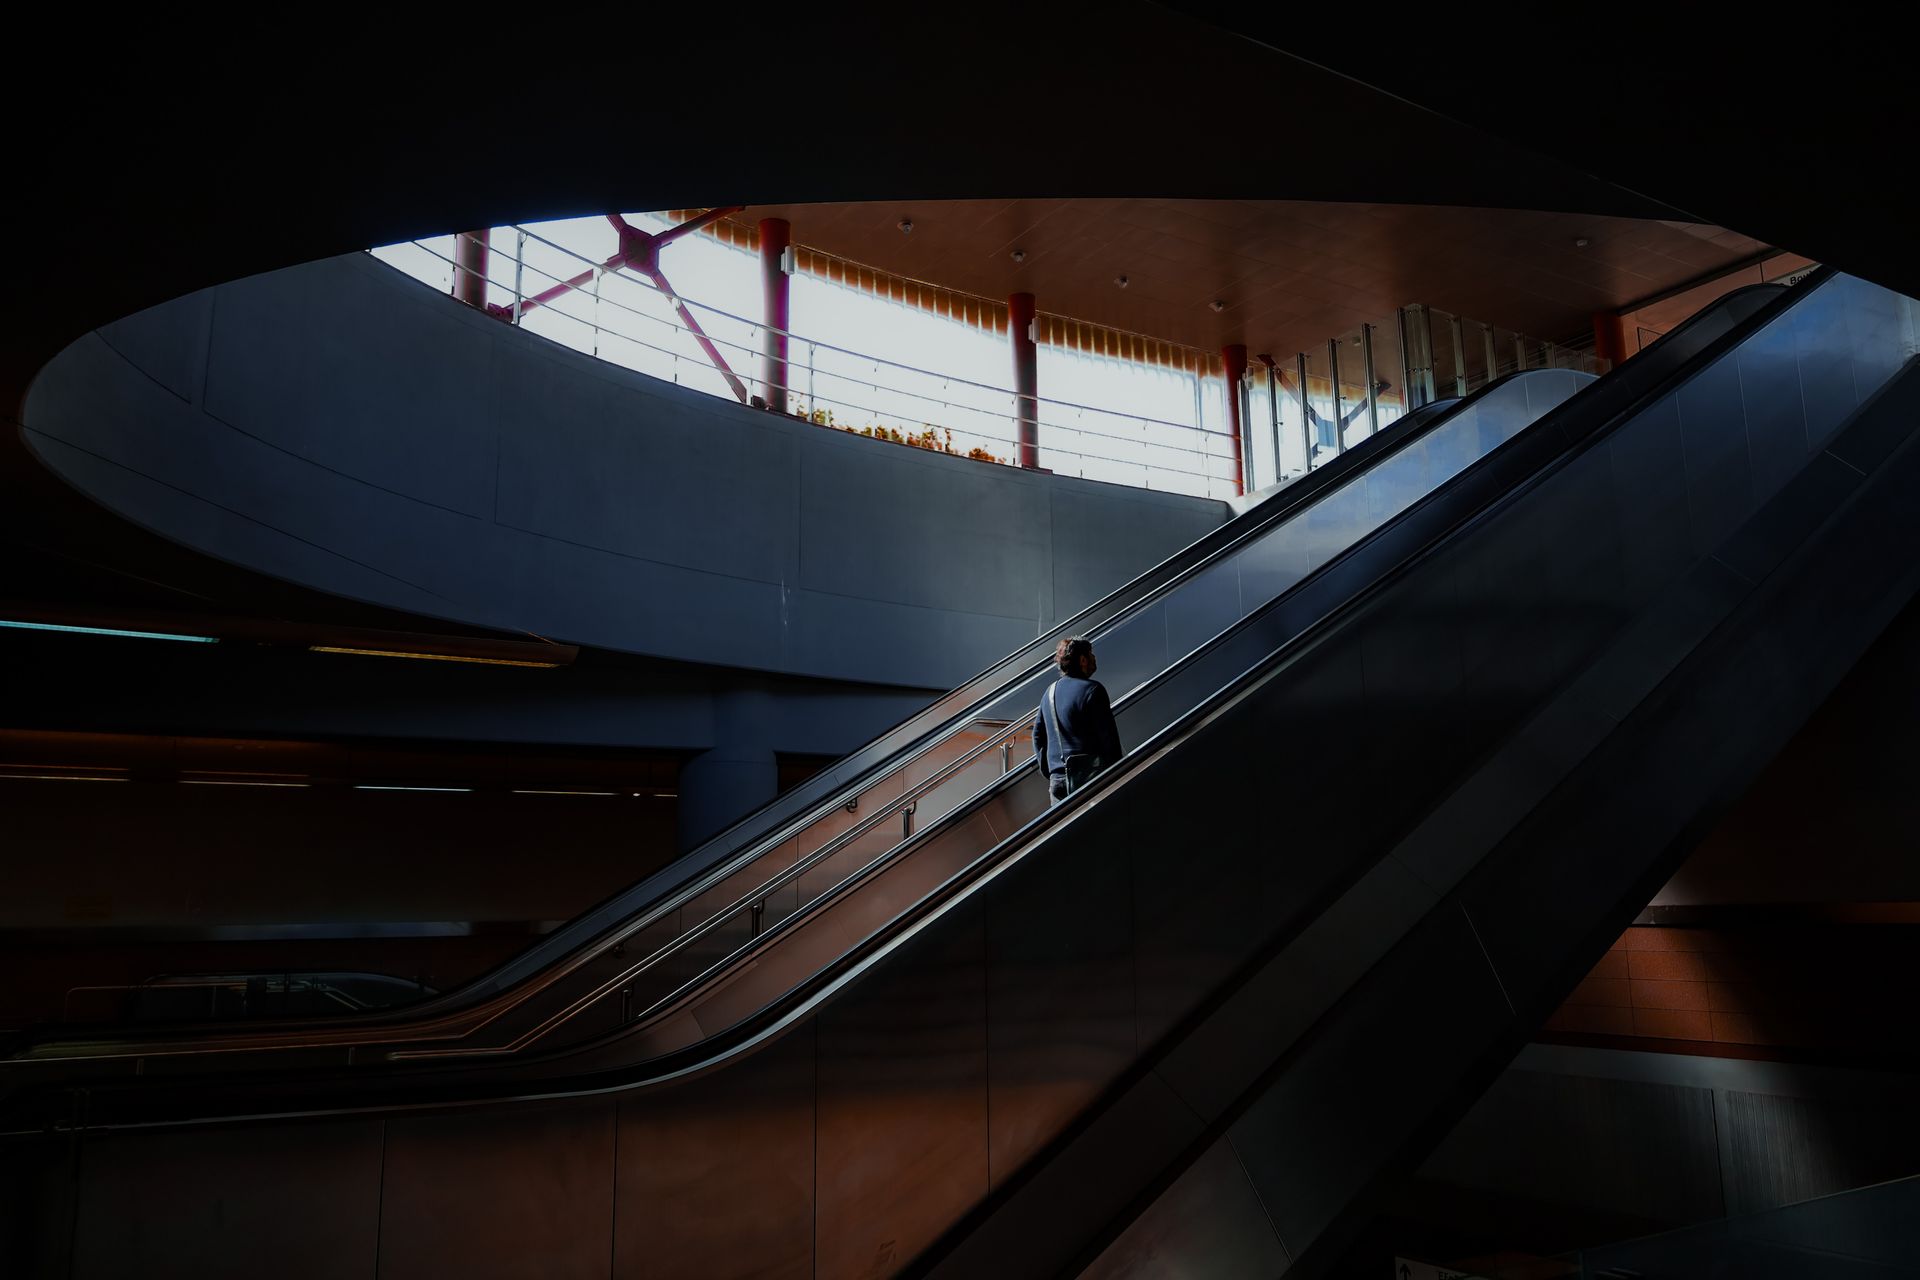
x: 1291, y: 273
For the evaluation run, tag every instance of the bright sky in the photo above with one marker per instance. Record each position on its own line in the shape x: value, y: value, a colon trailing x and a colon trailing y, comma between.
x: 1101, y: 418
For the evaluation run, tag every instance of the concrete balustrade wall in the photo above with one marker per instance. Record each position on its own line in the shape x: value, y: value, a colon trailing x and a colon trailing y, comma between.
x: 347, y: 428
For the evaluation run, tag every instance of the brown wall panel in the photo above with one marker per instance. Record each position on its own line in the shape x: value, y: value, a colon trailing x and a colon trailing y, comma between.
x: 716, y: 1176
x: 507, y: 1192
x: 903, y: 1104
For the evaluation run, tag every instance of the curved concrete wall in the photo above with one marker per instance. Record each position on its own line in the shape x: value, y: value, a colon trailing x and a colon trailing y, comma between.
x: 342, y: 426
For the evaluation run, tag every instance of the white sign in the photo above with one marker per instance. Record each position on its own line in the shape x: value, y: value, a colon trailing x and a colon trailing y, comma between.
x: 1408, y: 1269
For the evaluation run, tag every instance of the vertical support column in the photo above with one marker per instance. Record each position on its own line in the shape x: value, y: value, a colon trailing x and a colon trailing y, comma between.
x: 775, y: 235
x: 1425, y: 336
x: 736, y: 774
x: 1373, y: 387
x: 1021, y: 332
x: 470, y: 250
x: 1459, y: 359
x: 1333, y: 395
x: 1273, y: 413
x: 1609, y: 337
x: 1306, y: 418
x: 519, y: 267
x: 1234, y: 359
x: 1409, y: 376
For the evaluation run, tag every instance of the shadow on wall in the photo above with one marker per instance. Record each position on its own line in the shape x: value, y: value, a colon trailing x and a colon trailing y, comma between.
x: 349, y: 429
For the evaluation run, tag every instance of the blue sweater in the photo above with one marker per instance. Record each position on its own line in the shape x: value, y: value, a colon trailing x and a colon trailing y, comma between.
x: 1086, y: 724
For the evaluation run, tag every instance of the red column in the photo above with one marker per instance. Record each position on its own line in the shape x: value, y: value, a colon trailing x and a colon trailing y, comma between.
x: 1026, y: 376
x: 1610, y: 337
x: 470, y: 267
x: 775, y: 235
x: 1235, y: 359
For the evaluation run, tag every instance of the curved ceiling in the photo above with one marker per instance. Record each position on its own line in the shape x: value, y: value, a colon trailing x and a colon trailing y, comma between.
x: 150, y: 162
x: 189, y: 168
x: 1794, y: 131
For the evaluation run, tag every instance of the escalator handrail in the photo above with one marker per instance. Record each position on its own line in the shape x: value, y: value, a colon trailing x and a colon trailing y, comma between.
x: 696, y: 871
x: 1559, y: 445
x: 810, y: 992
x: 880, y: 861
x: 819, y: 796
x: 337, y: 1027
x: 1423, y: 419
x: 452, y: 1015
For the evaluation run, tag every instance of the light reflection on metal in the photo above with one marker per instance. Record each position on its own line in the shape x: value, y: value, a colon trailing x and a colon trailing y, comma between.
x: 237, y: 782
x: 63, y: 777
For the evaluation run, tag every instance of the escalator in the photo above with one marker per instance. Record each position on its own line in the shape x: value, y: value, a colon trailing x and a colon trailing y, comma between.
x: 1370, y: 824
x: 627, y: 959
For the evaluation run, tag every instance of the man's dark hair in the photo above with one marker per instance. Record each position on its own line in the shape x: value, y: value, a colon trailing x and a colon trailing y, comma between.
x: 1071, y: 650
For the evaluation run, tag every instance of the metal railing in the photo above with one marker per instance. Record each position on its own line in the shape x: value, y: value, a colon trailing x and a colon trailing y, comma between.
x: 1307, y: 408
x: 836, y: 386
x: 1316, y: 404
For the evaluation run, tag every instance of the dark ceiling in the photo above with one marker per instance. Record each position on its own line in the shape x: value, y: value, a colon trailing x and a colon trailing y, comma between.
x: 162, y: 161
x: 1290, y: 273
x: 154, y: 155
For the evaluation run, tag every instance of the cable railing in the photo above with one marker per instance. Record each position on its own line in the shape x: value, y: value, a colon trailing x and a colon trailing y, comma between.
x: 836, y: 386
x: 1315, y: 404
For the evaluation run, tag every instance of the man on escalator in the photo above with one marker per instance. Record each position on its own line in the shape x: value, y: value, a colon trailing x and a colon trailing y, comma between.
x: 1074, y: 736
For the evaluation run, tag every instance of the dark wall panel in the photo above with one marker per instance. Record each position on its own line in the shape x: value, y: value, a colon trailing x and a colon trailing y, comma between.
x: 299, y: 1202
x: 716, y: 1177
x: 1630, y: 1147
x: 1785, y: 1149
x: 507, y: 1192
x: 1210, y: 1223
x: 903, y: 1103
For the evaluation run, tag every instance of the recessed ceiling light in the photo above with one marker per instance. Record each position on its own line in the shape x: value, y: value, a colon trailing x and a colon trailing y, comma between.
x: 1218, y: 305
x: 906, y: 226
x: 1120, y: 281
x: 1581, y: 243
x: 1019, y: 255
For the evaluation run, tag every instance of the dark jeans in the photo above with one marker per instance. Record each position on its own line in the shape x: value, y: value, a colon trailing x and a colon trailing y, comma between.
x: 1073, y: 777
